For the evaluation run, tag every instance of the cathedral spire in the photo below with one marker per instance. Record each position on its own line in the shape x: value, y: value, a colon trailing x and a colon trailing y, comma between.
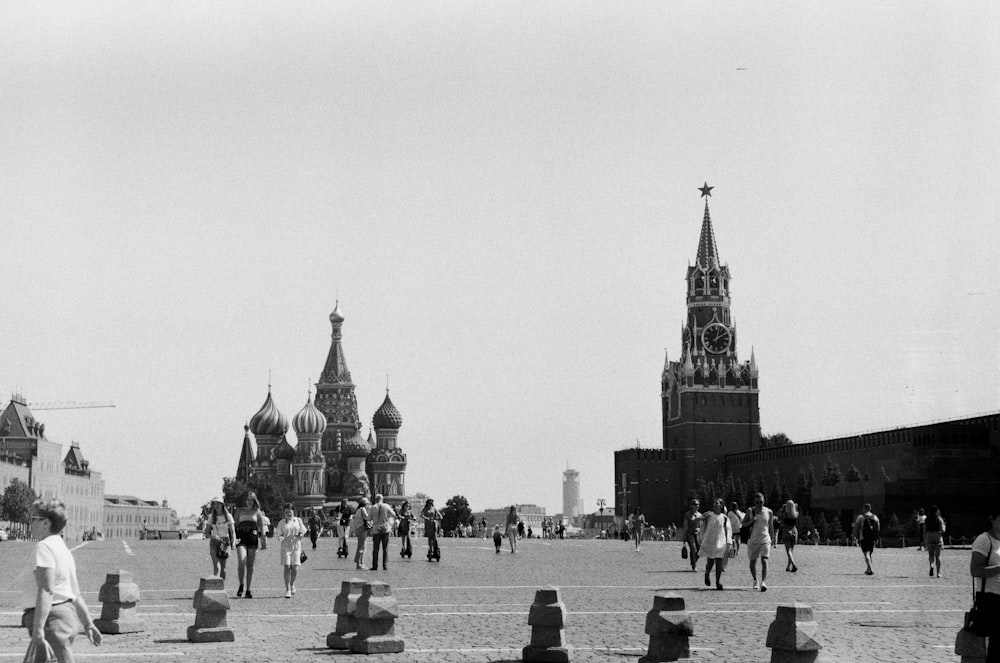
x: 708, y: 253
x: 335, y: 370
x: 245, y: 468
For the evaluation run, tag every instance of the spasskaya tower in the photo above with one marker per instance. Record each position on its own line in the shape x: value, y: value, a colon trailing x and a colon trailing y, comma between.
x: 709, y: 398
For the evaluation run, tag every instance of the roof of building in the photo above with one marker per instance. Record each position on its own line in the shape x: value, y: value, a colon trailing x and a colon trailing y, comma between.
x: 17, y: 419
x: 268, y: 420
x: 708, y: 253
x: 309, y: 420
x: 335, y: 370
x: 387, y: 416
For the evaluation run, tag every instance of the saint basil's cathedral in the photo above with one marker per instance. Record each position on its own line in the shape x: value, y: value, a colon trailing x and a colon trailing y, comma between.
x: 332, y: 459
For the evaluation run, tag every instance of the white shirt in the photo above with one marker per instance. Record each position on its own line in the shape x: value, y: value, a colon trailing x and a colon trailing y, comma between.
x: 52, y: 553
x: 761, y: 530
x: 982, y: 545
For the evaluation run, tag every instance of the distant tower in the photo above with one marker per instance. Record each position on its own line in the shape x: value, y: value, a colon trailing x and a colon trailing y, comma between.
x: 268, y: 427
x: 387, y: 463
x: 245, y: 468
x: 571, y: 494
x: 310, y: 479
x: 336, y: 400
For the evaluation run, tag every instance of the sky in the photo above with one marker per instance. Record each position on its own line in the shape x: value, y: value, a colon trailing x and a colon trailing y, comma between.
x: 504, y: 199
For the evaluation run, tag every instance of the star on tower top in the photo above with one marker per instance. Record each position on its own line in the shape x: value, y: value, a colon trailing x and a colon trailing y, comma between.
x: 706, y: 190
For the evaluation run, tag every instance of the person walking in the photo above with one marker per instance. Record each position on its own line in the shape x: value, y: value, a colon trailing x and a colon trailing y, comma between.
x: 59, y: 608
x: 867, y: 531
x: 637, y: 521
x: 220, y: 530
x: 361, y: 524
x: 497, y: 538
x: 985, y: 564
x: 789, y: 533
x: 405, y: 523
x: 716, y: 538
x: 921, y: 527
x: 692, y: 530
x: 431, y: 518
x: 761, y: 522
x: 934, y: 539
x: 250, y: 535
x: 382, y: 522
x: 735, y: 523
x: 512, y: 521
x: 343, y: 515
x: 290, y: 531
x: 315, y: 526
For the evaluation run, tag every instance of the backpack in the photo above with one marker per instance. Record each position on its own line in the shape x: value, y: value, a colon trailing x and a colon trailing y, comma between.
x: 869, y: 528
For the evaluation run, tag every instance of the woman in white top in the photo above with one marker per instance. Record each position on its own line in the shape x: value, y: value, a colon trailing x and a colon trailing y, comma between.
x: 716, y: 537
x: 985, y: 564
x: 59, y: 608
x: 290, y: 531
x: 220, y: 529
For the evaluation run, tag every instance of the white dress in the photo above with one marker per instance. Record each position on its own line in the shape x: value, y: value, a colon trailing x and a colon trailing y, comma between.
x: 290, y: 534
x: 715, y: 536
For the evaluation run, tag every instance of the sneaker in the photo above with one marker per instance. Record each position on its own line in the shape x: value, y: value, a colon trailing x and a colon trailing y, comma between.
x: 288, y: 594
x: 869, y: 572
x: 763, y: 587
x: 249, y: 595
x: 239, y: 592
x: 293, y: 590
x: 794, y: 568
x: 931, y: 574
x: 708, y: 583
x: 755, y: 585
x: 718, y: 586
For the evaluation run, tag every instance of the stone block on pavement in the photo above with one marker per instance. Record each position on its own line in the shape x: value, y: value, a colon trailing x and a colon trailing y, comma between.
x: 211, y: 604
x: 345, y: 607
x: 547, y: 618
x: 669, y: 628
x: 119, y: 596
x: 375, y: 617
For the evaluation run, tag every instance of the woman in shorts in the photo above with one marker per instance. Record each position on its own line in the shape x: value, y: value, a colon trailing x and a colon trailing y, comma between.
x: 789, y: 533
x: 290, y: 531
x: 59, y: 608
x: 512, y: 523
x: 692, y: 532
x: 221, y: 533
x: 250, y: 534
x: 360, y: 524
x: 934, y: 529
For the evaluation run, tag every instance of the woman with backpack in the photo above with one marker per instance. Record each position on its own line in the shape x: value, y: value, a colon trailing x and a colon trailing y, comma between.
x: 985, y: 564
x: 867, y: 532
x: 934, y: 529
x: 789, y: 533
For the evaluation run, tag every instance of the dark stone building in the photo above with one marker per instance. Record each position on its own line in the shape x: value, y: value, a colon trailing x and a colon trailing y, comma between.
x: 711, y: 426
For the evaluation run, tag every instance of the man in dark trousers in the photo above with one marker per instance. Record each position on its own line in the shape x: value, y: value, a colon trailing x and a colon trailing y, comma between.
x: 382, y: 522
x: 867, y: 531
x: 315, y: 526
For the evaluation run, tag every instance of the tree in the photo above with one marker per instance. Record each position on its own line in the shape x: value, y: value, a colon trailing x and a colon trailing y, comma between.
x: 776, y: 440
x: 836, y: 531
x: 832, y: 474
x: 455, y: 512
x: 803, y: 493
x: 272, y: 496
x: 16, y: 503
x: 893, y: 529
x: 853, y: 474
x: 822, y: 526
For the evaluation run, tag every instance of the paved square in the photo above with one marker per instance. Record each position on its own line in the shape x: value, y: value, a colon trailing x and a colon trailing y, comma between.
x: 473, y: 605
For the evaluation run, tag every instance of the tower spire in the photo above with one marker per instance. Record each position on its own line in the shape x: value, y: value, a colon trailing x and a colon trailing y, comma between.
x: 708, y: 253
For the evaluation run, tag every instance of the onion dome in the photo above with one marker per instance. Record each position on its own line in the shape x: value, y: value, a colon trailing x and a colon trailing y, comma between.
x: 356, y: 446
x: 284, y: 451
x: 268, y: 420
x: 309, y: 420
x: 336, y: 316
x: 387, y: 416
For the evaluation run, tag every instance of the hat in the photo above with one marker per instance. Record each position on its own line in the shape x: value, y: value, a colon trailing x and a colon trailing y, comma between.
x: 216, y: 499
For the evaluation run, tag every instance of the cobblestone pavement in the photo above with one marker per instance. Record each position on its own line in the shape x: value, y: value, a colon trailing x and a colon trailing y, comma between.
x: 473, y: 605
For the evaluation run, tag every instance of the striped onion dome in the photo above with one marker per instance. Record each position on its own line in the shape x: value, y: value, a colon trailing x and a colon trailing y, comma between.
x: 309, y: 420
x: 268, y: 420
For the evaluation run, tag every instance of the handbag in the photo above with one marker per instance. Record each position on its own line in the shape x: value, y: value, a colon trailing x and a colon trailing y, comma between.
x: 684, y: 551
x: 34, y: 654
x: 223, y: 552
x: 978, y: 620
x: 302, y: 558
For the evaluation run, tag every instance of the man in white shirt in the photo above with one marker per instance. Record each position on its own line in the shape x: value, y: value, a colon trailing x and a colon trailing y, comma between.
x: 382, y: 522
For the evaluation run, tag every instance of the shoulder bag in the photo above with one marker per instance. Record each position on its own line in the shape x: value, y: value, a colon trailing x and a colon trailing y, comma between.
x: 978, y: 621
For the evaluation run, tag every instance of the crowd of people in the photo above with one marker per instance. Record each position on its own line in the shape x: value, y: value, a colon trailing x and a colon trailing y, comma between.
x: 716, y: 535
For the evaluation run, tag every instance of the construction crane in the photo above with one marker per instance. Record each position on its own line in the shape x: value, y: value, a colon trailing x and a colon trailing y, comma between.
x: 69, y: 405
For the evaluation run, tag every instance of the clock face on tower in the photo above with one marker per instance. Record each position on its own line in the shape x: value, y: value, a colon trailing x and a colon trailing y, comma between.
x: 716, y: 338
